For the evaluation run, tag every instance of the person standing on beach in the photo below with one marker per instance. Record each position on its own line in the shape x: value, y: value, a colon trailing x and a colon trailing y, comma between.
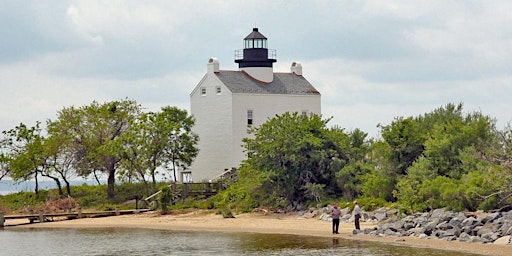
x: 335, y: 215
x: 357, y: 215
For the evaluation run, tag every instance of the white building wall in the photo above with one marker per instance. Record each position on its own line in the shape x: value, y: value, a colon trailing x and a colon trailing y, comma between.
x: 212, y: 112
x: 265, y: 106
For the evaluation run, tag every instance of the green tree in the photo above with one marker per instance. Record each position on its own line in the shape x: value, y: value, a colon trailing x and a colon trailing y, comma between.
x: 23, y: 153
x: 159, y: 139
x: 92, y: 132
x: 295, y: 152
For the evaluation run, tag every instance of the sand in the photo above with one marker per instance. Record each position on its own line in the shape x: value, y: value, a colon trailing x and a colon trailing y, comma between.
x: 260, y: 223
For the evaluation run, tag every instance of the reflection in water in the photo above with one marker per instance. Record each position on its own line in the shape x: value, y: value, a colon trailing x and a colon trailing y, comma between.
x: 163, y: 242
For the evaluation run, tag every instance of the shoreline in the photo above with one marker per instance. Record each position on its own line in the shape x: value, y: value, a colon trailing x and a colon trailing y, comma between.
x: 261, y: 223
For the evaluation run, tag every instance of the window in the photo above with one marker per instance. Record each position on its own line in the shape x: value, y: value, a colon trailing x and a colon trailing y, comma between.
x: 203, y: 91
x: 249, y: 117
x: 304, y: 113
x: 217, y: 90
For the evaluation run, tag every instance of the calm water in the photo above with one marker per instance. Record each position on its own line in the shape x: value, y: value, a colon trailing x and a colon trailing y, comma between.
x: 162, y: 242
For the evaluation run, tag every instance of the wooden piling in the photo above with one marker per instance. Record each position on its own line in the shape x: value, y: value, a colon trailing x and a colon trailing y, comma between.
x: 2, y: 220
x: 118, y: 212
x: 41, y: 215
x: 79, y: 216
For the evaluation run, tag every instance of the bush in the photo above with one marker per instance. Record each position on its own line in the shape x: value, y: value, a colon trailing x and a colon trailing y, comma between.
x: 226, y: 213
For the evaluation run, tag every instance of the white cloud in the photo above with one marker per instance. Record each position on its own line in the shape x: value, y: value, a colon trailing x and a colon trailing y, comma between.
x: 371, y: 60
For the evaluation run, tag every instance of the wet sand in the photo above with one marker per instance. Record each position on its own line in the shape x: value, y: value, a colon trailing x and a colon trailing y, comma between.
x: 260, y: 223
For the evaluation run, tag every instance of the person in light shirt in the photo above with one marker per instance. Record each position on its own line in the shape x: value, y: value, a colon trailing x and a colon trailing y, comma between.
x: 357, y: 215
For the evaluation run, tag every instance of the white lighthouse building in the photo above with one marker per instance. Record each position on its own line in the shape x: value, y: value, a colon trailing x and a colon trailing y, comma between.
x: 226, y: 102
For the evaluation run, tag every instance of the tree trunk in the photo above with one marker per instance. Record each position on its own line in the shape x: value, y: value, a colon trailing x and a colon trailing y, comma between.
x: 57, y: 181
x: 96, y: 177
x: 153, y: 181
x: 36, y: 189
x: 111, y: 181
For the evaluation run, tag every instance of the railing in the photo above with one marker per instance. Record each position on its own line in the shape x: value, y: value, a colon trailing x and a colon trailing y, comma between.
x: 42, y: 217
x: 239, y: 54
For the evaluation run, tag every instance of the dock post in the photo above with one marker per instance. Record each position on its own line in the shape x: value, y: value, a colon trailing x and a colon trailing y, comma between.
x: 118, y: 212
x: 2, y: 220
x: 79, y: 212
x: 41, y: 216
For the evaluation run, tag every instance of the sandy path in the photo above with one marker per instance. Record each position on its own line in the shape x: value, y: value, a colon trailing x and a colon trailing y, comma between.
x: 262, y: 223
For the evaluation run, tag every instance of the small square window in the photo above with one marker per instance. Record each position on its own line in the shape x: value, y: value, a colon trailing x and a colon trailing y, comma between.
x: 217, y: 90
x: 203, y: 91
x: 249, y: 117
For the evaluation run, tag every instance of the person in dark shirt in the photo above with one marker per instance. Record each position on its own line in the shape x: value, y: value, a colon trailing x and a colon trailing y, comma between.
x: 335, y: 215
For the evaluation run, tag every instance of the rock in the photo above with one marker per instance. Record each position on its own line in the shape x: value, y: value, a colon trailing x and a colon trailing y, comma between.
x: 450, y: 238
x: 356, y: 231
x: 505, y: 240
x: 464, y: 237
x: 455, y: 221
x: 508, y: 232
x: 409, y: 225
x: 452, y: 232
x: 367, y: 231
x: 471, y: 221
x: 380, y: 215
x: 437, y: 213
x: 489, y: 237
x: 396, y: 225
x: 475, y: 239
x: 416, y: 231
x: 485, y: 229
x: 345, y: 211
x: 491, y: 217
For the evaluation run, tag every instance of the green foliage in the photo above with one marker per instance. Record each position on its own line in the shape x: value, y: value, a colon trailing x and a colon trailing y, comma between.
x: 226, y: 213
x: 378, y: 186
x: 349, y: 179
x: 245, y: 194
x: 371, y: 203
x: 294, y: 153
x: 156, y: 140
x: 165, y: 198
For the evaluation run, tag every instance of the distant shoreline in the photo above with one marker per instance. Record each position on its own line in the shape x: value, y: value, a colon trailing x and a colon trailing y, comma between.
x: 263, y: 223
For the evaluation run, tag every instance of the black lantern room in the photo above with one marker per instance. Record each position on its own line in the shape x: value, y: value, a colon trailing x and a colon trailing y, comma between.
x: 255, y: 52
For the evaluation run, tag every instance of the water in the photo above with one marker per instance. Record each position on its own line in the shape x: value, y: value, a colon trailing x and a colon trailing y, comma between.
x: 136, y: 242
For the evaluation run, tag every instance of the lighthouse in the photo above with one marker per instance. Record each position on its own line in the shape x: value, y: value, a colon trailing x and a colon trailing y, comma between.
x: 256, y: 59
x: 225, y: 103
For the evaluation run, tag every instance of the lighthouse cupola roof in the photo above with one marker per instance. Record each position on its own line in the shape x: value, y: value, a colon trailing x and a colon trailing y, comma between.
x: 255, y: 52
x: 255, y: 40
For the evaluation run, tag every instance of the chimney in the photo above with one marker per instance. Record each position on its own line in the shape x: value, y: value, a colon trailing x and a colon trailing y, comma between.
x: 296, y: 68
x: 213, y: 65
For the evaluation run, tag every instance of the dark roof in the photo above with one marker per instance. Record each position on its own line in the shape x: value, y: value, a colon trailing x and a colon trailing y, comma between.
x: 255, y: 35
x: 283, y: 83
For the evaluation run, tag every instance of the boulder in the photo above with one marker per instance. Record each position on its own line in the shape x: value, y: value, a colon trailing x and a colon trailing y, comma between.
x: 489, y: 237
x: 380, y: 215
x: 505, y: 240
x: 463, y: 237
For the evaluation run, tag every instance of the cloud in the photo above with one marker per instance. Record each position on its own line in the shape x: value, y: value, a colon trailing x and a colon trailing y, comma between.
x: 371, y: 60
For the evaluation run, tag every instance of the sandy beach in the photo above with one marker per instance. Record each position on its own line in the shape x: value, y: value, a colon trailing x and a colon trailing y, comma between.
x: 260, y: 223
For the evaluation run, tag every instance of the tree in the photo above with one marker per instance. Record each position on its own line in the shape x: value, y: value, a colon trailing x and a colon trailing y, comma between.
x: 93, y: 132
x: 295, y: 152
x: 23, y: 156
x: 160, y: 139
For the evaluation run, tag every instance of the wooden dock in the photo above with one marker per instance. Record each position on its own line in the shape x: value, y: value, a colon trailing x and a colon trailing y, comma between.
x: 44, y: 217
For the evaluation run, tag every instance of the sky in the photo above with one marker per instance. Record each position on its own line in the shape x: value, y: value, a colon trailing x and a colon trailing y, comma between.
x: 372, y: 61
